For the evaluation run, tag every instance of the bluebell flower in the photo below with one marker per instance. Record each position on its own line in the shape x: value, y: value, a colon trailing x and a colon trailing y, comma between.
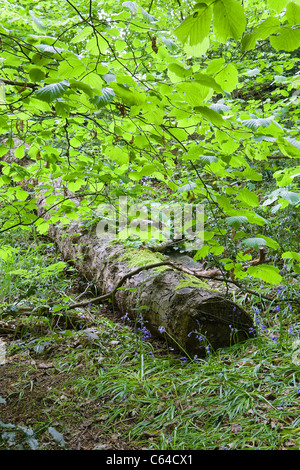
x: 125, y: 317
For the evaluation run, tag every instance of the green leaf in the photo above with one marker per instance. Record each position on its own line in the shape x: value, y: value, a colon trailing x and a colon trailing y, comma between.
x: 107, y: 96
x: 229, y: 20
x: 128, y: 96
x: 297, y: 268
x: 202, y: 253
x: 147, y: 17
x: 270, y: 242
x: 207, y: 159
x: 255, y: 123
x: 62, y: 109
x: 50, y: 49
x: 293, y: 13
x: 227, y: 143
x: 262, y: 31
x: 36, y: 74
x: 93, y: 80
x: 266, y: 273
x: 85, y: 33
x: 97, y: 45
x: 248, y: 197
x: 287, y: 40
x: 195, y: 28
x: 211, y: 115
x: 131, y: 5
x: 194, y: 92
x: 6, y: 252
x: 37, y: 23
x: 187, y: 187
x: 291, y: 255
x: 227, y: 78
x: 290, y: 196
x: 215, y: 66
x: 75, y: 185
x: 208, y: 81
x: 78, y: 85
x: 277, y: 5
x: 179, y: 70
x: 236, y: 220
x: 20, y: 152
x: 21, y: 195
x: 51, y: 92
x: 254, y: 242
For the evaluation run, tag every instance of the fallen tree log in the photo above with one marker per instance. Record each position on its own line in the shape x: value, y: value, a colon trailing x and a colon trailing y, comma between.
x: 163, y: 300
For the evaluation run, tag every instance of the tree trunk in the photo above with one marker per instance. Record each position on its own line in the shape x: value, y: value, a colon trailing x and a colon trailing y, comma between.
x: 163, y: 300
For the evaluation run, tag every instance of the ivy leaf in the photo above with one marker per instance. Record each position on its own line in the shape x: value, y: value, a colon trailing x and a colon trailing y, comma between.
x: 229, y: 20
x: 51, y: 92
x: 266, y: 273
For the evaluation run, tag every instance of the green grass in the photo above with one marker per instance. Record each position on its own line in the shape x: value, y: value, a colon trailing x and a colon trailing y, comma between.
x: 135, y: 392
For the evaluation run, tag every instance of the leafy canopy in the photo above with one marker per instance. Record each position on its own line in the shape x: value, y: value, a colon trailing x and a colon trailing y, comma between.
x: 110, y: 97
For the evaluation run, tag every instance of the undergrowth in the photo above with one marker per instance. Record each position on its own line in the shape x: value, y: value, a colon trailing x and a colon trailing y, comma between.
x: 92, y: 380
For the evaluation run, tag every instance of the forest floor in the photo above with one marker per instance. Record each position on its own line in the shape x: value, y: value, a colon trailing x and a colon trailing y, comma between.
x: 91, y: 381
x: 34, y: 386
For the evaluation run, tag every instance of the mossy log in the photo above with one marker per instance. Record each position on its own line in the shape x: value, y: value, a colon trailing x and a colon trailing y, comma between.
x: 169, y: 303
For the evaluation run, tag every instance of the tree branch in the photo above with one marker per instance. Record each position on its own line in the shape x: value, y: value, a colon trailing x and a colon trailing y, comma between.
x: 24, y: 85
